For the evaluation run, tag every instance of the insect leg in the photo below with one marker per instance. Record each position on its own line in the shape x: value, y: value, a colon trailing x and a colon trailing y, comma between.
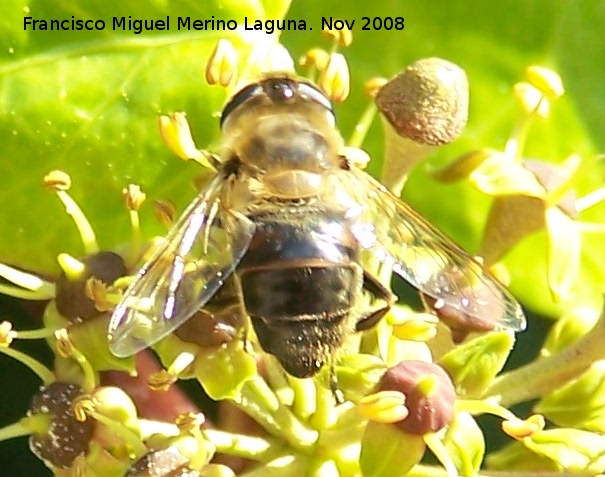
x: 380, y: 293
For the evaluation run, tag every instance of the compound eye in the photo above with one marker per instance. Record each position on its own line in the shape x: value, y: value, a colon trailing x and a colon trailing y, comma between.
x: 282, y: 90
x: 240, y: 97
x: 312, y: 93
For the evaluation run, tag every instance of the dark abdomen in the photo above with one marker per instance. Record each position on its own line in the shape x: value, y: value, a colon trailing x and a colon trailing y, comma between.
x: 300, y: 279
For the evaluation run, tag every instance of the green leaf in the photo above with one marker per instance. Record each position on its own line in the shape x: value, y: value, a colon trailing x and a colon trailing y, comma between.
x: 88, y: 102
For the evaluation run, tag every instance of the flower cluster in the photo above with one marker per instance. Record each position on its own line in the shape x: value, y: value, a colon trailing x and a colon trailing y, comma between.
x: 400, y: 391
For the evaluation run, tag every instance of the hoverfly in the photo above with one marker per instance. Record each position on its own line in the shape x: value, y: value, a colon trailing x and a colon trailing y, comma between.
x: 288, y: 218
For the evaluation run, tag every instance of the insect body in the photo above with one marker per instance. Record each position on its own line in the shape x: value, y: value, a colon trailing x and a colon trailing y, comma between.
x: 290, y: 219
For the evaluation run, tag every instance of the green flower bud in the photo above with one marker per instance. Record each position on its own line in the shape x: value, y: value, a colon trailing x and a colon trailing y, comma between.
x: 388, y: 450
x: 358, y: 374
x: 90, y: 337
x: 474, y: 364
x: 579, y: 403
x: 572, y: 449
x: 224, y: 371
x: 116, y: 405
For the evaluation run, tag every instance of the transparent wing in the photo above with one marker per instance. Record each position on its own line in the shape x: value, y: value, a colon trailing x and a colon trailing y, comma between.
x: 400, y: 238
x: 202, y: 249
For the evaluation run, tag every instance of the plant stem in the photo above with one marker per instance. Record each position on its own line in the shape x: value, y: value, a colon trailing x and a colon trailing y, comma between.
x: 545, y: 375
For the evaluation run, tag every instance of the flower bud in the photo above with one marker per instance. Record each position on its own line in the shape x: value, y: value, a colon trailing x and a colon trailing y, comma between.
x: 474, y: 364
x: 358, y: 374
x: 427, y: 102
x: 114, y: 403
x: 580, y: 402
x: 223, y: 371
x: 572, y: 449
x: 429, y: 394
x: 388, y: 450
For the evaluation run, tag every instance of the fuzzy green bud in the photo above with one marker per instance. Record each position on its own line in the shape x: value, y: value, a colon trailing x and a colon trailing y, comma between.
x: 474, y: 364
x: 573, y: 449
x: 579, y: 403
